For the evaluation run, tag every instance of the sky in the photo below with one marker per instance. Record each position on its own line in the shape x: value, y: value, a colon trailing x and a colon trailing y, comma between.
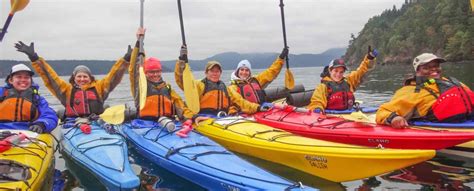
x: 102, y: 29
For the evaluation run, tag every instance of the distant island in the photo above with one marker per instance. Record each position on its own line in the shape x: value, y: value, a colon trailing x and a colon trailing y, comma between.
x: 229, y: 60
x: 442, y: 27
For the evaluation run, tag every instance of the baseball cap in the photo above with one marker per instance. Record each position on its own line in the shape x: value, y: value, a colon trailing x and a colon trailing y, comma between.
x: 426, y: 58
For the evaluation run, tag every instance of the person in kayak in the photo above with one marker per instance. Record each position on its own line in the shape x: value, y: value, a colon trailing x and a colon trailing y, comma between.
x: 214, y: 95
x: 251, y: 88
x: 82, y: 95
x: 161, y: 99
x: 336, y: 92
x: 21, y: 102
x: 428, y: 96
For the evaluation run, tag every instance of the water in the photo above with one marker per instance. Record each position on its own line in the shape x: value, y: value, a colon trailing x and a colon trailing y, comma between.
x: 444, y: 172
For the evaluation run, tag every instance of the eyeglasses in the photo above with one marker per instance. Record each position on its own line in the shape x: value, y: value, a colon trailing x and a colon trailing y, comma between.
x: 153, y: 71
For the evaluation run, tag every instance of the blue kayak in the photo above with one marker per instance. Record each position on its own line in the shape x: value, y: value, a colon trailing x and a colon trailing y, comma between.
x: 464, y: 125
x: 200, y: 160
x: 348, y: 111
x: 104, y: 154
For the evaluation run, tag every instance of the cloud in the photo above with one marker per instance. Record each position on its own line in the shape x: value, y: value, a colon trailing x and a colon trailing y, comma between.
x: 91, y: 29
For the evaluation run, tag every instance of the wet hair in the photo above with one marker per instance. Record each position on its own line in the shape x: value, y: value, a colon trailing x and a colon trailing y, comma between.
x: 71, y: 79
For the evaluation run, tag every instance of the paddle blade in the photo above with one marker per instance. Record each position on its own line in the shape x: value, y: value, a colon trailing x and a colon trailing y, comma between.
x: 190, y: 90
x: 142, y: 83
x: 289, y: 80
x: 18, y: 5
x: 114, y: 115
x: 359, y: 116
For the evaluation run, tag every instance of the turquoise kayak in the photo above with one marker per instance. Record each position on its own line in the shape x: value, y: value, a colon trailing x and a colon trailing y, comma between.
x: 104, y: 154
x: 200, y: 160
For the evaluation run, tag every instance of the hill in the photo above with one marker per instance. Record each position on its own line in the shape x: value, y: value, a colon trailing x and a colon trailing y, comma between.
x: 229, y: 60
x: 442, y: 27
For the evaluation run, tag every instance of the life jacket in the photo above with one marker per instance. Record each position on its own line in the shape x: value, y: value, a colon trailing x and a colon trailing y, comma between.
x: 251, y: 90
x: 83, y: 103
x: 340, y: 96
x: 19, y: 107
x: 158, y: 102
x: 453, y: 104
x: 215, y: 98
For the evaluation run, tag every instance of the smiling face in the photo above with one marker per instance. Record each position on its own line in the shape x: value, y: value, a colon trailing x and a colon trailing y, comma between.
x: 82, y: 78
x: 431, y: 70
x: 20, y: 80
x: 244, y: 72
x: 214, y: 74
x: 337, y: 73
x: 153, y: 75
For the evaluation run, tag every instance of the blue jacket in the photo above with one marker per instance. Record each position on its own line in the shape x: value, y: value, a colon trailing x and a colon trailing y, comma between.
x: 47, y: 116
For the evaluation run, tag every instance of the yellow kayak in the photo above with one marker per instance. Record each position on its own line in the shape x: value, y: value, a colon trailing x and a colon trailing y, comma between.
x: 467, y: 147
x: 332, y: 161
x: 26, y: 165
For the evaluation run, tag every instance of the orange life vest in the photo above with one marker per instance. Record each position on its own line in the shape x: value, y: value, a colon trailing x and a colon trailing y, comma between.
x: 19, y: 107
x: 251, y: 90
x: 215, y: 98
x: 83, y: 103
x: 158, y: 102
x: 340, y: 96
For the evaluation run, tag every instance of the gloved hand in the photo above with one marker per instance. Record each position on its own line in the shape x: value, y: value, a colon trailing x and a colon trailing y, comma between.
x: 28, y: 50
x: 371, y: 54
x: 128, y: 55
x: 38, y: 128
x: 183, y: 53
x: 284, y: 53
x: 265, y: 106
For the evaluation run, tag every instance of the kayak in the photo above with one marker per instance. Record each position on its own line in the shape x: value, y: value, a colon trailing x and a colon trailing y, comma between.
x: 463, y: 149
x: 336, y: 162
x: 28, y: 164
x: 342, y: 130
x: 200, y: 160
x: 102, y: 153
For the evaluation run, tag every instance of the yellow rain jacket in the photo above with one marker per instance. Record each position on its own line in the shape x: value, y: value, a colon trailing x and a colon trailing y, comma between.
x: 263, y: 79
x: 236, y: 100
x: 407, y: 103
x: 320, y: 94
x: 181, y: 109
x: 62, y: 89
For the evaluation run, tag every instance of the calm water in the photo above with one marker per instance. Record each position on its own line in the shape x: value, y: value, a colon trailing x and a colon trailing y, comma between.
x: 444, y: 172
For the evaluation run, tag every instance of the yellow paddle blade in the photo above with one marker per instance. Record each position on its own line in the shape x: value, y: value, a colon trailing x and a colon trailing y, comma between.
x: 289, y: 80
x: 142, y: 83
x: 472, y: 5
x: 359, y: 116
x: 18, y: 5
x: 190, y: 90
x: 114, y: 115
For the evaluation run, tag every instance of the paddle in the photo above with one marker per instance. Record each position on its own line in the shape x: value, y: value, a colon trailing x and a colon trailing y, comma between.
x: 16, y: 5
x: 289, y: 80
x: 142, y: 82
x: 114, y: 115
x: 191, y: 94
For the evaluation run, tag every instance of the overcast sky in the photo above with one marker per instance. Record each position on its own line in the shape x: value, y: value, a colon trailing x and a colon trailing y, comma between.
x: 101, y: 29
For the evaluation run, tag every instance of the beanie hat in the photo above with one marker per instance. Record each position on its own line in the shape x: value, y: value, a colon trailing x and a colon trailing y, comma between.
x: 152, y: 63
x: 81, y: 68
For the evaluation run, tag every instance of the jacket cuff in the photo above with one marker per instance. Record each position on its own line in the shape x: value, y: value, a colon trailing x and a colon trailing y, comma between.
x: 390, y: 118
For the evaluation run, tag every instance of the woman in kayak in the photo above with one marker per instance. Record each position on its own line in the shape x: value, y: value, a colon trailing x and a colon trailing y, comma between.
x: 21, y: 102
x: 336, y: 92
x: 83, y: 95
x: 251, y: 88
x: 214, y: 95
x: 428, y: 96
x: 161, y: 99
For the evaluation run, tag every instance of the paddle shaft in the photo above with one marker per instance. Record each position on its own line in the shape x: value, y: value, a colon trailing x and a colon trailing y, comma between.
x: 181, y: 23
x: 140, y: 39
x: 5, y: 26
x: 284, y: 30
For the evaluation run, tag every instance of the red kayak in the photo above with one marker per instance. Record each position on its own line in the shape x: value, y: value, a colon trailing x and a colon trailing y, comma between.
x: 315, y: 125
